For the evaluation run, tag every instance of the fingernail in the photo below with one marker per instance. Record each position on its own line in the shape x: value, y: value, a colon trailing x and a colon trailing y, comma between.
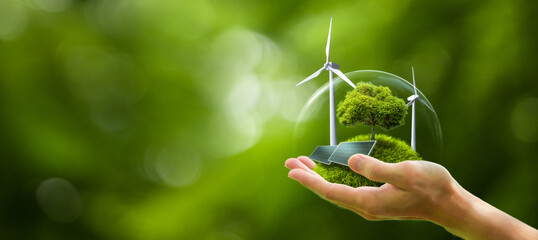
x: 355, y: 158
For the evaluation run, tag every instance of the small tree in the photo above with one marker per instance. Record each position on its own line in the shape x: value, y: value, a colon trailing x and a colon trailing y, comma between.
x: 372, y: 105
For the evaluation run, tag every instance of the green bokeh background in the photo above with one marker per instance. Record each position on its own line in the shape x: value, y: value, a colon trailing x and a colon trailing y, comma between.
x: 135, y: 119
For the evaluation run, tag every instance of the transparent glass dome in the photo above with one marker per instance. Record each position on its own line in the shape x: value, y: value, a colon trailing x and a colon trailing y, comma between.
x: 312, y: 126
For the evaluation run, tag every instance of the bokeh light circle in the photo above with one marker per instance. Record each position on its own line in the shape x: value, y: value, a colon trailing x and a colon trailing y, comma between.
x: 312, y: 126
x: 59, y: 200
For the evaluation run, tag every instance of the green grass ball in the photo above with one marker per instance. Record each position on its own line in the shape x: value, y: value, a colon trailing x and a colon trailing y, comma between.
x: 387, y: 149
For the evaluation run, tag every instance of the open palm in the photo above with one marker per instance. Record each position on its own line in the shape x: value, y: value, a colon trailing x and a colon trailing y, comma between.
x: 411, y: 189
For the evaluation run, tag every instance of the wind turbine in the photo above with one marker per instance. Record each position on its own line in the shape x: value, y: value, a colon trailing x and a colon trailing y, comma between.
x: 412, y: 99
x: 332, y: 68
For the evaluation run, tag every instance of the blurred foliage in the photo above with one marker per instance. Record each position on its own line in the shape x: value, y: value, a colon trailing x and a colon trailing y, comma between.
x: 172, y: 119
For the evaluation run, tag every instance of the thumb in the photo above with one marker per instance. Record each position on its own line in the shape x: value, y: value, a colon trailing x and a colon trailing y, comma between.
x: 374, y: 169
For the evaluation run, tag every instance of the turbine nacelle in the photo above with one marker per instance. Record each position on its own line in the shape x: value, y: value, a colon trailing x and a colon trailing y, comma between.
x: 330, y: 65
x: 412, y: 98
x: 332, y: 68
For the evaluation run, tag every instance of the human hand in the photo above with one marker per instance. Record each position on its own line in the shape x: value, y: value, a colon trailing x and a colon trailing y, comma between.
x: 419, y: 190
x: 412, y: 189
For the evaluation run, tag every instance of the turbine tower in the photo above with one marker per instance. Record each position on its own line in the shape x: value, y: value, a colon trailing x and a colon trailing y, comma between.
x: 332, y: 68
x: 412, y: 99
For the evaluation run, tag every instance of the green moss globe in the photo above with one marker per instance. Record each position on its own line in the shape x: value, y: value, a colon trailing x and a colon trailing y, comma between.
x: 387, y: 149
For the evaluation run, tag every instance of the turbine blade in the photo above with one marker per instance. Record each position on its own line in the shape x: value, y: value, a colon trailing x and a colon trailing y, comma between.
x: 414, y: 85
x: 311, y: 76
x: 410, y: 102
x: 328, y: 48
x: 342, y: 76
x: 426, y: 104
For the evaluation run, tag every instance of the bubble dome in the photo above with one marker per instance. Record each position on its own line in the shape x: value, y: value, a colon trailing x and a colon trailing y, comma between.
x: 312, y: 126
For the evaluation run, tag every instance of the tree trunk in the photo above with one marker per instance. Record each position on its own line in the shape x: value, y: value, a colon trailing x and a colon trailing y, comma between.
x: 373, y: 132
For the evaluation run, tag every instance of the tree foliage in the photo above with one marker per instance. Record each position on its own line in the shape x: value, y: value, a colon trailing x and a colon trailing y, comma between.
x: 372, y: 105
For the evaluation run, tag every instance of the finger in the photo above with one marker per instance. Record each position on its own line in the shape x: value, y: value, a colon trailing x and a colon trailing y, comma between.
x: 307, y: 161
x: 339, y: 193
x: 369, y: 217
x: 294, y: 163
x: 374, y: 169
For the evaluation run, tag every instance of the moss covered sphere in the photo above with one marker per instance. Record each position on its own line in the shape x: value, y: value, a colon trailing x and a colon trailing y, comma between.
x: 387, y: 149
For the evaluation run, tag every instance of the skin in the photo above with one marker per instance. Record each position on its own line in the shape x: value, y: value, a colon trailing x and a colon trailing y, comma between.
x: 418, y: 190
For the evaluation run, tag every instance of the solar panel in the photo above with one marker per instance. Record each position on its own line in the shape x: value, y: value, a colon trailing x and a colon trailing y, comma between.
x: 322, y: 154
x: 347, y: 149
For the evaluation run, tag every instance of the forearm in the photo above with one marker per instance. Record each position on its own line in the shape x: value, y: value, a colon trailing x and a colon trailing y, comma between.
x: 469, y: 217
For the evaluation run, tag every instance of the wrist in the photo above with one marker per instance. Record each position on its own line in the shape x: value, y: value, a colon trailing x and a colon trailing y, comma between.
x: 455, y: 210
x: 467, y: 216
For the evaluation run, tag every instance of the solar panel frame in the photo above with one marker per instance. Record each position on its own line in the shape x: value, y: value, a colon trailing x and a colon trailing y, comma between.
x: 343, y: 152
x: 322, y: 154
